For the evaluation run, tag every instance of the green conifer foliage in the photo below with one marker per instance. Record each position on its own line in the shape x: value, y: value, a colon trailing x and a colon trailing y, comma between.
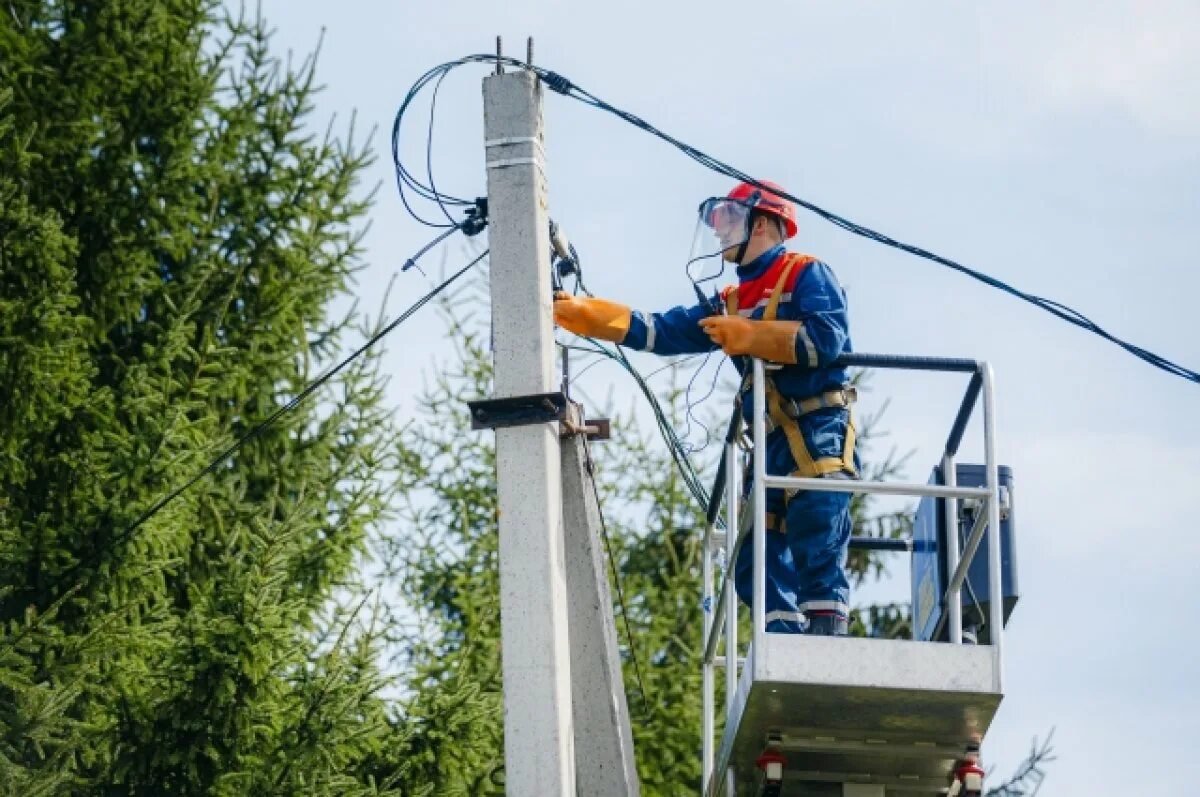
x: 170, y: 239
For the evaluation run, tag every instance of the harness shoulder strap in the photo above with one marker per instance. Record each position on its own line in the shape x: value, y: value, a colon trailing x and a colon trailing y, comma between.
x: 806, y: 465
x: 794, y: 262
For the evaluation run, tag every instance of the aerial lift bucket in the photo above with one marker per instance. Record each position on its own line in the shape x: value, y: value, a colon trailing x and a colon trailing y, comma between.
x: 853, y: 717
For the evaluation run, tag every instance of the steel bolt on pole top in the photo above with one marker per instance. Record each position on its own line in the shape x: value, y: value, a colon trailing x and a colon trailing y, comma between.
x: 538, y: 738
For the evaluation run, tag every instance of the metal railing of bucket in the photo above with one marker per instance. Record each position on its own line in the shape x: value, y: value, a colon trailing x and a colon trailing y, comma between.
x: 720, y: 614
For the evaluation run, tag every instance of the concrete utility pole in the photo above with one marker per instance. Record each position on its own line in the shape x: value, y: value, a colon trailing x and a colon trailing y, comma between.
x: 538, y: 739
x: 603, y: 739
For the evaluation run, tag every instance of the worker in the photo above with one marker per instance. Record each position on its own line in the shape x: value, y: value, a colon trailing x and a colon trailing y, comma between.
x: 787, y: 309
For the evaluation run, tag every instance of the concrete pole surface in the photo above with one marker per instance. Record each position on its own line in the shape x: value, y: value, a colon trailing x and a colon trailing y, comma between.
x: 539, y: 751
x: 604, y: 762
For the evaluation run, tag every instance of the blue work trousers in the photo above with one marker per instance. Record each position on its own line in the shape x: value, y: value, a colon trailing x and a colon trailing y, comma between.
x: 806, y: 559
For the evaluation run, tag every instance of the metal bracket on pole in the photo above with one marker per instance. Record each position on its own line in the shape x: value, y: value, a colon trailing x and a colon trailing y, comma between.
x: 537, y: 408
x: 518, y: 410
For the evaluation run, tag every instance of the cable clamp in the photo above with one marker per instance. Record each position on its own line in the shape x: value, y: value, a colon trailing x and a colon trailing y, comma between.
x: 477, y: 218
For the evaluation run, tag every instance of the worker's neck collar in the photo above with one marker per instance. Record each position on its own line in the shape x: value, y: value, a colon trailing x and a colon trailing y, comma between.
x: 759, y: 264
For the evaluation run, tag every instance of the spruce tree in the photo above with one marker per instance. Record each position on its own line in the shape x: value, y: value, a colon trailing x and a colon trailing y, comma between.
x: 171, y: 237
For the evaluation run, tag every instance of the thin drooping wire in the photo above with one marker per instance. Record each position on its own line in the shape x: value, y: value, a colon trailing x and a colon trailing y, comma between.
x: 690, y: 412
x: 429, y: 150
x: 616, y: 574
x: 406, y: 182
x: 674, y: 363
x: 688, y: 417
x: 688, y: 447
x: 296, y: 400
x: 564, y: 86
x: 675, y: 445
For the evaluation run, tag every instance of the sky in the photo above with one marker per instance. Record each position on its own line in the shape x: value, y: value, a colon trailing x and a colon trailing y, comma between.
x: 1053, y: 146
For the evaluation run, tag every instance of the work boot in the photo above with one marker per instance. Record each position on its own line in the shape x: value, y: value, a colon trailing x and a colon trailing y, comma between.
x: 823, y: 624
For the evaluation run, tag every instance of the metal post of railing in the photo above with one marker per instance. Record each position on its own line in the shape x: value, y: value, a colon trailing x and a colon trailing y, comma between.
x: 707, y: 673
x: 950, y: 514
x: 995, y: 588
x: 758, y: 611
x: 733, y: 489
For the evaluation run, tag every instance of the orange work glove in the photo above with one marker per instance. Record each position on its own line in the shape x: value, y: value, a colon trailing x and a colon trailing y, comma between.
x: 767, y: 340
x: 592, y: 318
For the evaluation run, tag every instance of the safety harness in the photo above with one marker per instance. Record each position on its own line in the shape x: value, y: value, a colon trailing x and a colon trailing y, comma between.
x: 784, y: 413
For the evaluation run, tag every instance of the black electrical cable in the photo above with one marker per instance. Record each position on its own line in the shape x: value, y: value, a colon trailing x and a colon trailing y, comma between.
x: 295, y: 401
x: 564, y: 86
x: 404, y: 178
x: 712, y: 387
x: 429, y: 150
x: 690, y: 404
x: 677, y: 448
x: 616, y: 574
x: 674, y: 363
x: 675, y: 445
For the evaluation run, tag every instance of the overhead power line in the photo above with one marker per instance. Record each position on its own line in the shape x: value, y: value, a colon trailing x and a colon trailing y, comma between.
x: 567, y: 88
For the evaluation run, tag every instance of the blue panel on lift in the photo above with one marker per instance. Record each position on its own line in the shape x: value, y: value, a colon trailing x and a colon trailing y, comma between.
x: 929, y: 574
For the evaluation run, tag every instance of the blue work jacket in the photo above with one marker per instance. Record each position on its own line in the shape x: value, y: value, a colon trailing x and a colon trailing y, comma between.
x: 812, y: 296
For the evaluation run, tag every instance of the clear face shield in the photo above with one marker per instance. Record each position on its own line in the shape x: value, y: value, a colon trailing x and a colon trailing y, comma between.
x: 722, y: 232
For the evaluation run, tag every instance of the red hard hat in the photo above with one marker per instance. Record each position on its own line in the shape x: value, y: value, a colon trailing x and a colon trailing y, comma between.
x: 767, y: 202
